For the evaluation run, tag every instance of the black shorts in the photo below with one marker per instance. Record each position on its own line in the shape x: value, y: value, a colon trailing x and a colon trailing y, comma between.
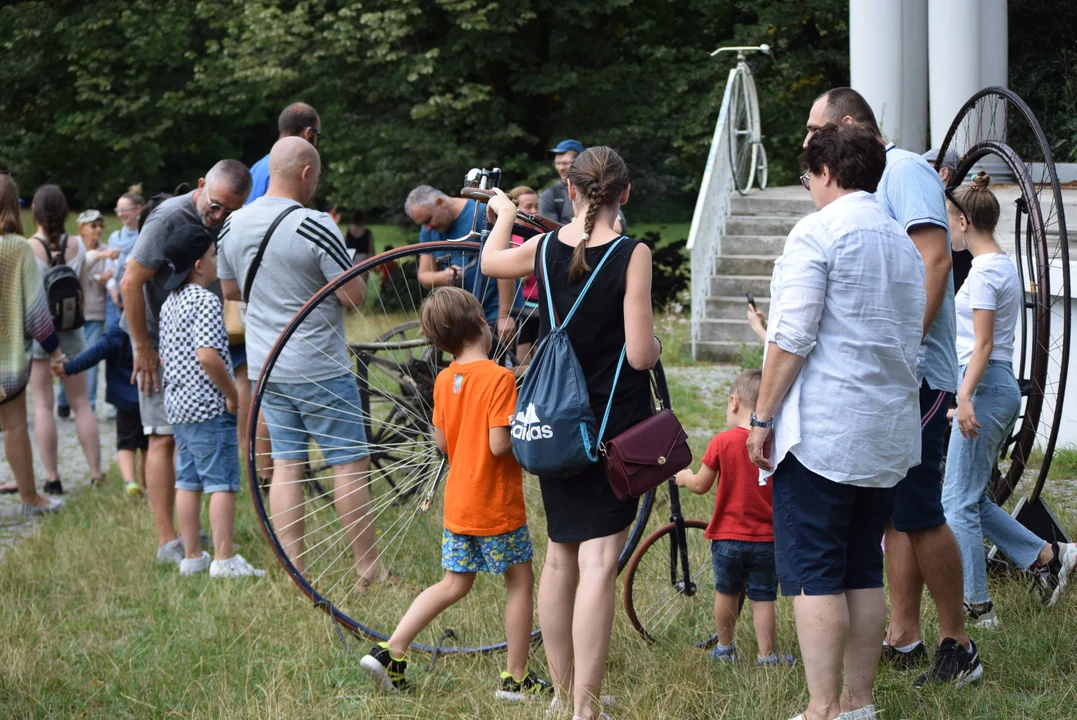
x: 918, y: 497
x: 129, y: 434
x: 827, y: 535
x: 529, y: 328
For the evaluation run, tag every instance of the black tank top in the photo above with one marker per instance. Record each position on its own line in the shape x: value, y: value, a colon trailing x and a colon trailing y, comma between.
x: 597, y: 330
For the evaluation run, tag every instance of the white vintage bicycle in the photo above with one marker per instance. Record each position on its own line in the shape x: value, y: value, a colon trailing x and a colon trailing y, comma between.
x: 747, y: 158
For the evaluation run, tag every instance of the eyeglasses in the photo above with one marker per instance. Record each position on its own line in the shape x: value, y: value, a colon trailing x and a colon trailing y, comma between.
x: 805, y: 180
x: 217, y: 208
x: 316, y: 131
x: 121, y: 211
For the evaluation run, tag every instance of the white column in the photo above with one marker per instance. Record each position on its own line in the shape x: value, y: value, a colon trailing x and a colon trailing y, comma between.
x: 888, y: 65
x: 954, y: 42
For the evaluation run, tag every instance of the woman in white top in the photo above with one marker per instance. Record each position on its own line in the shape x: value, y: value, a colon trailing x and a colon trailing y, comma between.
x: 50, y: 214
x: 989, y: 306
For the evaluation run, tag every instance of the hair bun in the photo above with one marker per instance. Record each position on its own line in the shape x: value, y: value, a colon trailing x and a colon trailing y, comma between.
x: 136, y: 189
x: 981, y: 181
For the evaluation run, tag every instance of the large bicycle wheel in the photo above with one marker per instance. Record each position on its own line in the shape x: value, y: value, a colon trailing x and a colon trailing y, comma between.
x: 742, y: 146
x: 996, y: 125
x: 669, y: 588
x: 394, y: 368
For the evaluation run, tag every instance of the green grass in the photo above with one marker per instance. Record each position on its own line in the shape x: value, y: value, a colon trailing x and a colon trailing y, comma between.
x: 92, y: 628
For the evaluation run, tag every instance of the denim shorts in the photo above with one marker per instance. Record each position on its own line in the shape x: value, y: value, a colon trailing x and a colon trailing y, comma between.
x: 207, y: 455
x: 238, y: 354
x: 827, y: 535
x: 328, y: 412
x: 493, y: 554
x: 737, y: 563
x: 918, y: 497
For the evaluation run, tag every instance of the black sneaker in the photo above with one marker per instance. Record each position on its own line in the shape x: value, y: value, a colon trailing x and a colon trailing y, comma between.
x: 953, y: 664
x: 53, y: 487
x: 898, y: 660
x: 531, y: 687
x: 384, y: 671
x: 1051, y: 579
x: 63, y: 411
x: 982, y: 616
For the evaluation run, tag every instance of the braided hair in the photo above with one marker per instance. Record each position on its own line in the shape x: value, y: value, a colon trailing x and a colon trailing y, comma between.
x: 50, y: 212
x: 600, y: 176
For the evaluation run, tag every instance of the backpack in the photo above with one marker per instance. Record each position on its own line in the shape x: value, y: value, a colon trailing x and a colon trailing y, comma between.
x: 156, y: 200
x: 63, y: 289
x: 553, y: 431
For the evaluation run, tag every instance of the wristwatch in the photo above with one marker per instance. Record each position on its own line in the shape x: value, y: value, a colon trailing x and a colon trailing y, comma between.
x: 756, y: 422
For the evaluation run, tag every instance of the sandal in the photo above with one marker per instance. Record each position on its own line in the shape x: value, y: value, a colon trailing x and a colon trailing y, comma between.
x: 9, y: 489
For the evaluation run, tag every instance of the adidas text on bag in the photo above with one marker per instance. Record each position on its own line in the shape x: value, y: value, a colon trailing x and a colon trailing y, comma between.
x: 554, y: 432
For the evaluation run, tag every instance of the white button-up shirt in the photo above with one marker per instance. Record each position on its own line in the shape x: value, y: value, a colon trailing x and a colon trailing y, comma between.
x: 848, y: 296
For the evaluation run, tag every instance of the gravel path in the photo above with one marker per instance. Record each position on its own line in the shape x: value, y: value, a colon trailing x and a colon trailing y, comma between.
x: 73, y: 469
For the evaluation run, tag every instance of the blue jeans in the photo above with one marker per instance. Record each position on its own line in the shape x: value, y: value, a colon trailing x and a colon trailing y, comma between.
x: 207, y: 455
x: 969, y: 511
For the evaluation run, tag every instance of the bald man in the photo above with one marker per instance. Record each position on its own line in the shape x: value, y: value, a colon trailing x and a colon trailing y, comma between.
x: 310, y: 392
x: 297, y: 120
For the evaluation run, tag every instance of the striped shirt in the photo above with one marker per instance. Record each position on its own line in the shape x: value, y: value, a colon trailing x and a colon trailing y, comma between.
x: 306, y: 251
x: 24, y: 313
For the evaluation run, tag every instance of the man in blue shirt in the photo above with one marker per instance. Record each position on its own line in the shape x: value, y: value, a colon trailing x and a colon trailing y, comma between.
x: 919, y: 544
x: 298, y: 120
x: 446, y: 218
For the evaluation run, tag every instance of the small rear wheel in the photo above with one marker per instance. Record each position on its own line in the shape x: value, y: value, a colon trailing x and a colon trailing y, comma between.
x: 669, y: 587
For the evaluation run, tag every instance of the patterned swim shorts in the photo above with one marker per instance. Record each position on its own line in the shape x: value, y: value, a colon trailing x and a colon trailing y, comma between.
x: 493, y: 554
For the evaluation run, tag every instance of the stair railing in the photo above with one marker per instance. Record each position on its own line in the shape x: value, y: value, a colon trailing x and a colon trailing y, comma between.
x: 709, y: 218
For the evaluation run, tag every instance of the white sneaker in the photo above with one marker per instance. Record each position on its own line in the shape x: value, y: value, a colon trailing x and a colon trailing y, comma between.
x: 233, y: 567
x: 197, y: 565
x: 556, y: 709
x: 865, y: 713
x: 1067, y: 557
x: 171, y: 552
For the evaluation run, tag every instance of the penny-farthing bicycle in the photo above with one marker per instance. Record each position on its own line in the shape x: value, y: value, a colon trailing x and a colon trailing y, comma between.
x: 996, y: 125
x: 747, y: 158
x: 394, y: 368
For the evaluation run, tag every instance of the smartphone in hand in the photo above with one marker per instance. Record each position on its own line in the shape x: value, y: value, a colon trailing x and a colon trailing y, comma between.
x: 751, y: 300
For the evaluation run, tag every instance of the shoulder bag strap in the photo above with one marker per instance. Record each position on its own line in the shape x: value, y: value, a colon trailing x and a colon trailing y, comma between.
x: 617, y: 376
x: 262, y: 251
x: 44, y: 244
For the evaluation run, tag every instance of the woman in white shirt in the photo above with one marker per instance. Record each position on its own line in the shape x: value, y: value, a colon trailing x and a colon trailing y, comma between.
x: 840, y: 389
x: 989, y: 306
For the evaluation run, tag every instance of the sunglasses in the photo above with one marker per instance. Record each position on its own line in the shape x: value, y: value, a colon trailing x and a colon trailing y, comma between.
x: 316, y: 131
x: 805, y: 180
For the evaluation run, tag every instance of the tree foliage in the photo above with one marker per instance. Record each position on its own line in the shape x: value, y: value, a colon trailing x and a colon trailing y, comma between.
x: 101, y: 93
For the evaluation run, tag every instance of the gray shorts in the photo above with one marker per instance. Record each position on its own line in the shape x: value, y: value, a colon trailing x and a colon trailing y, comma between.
x: 152, y: 409
x: 72, y: 343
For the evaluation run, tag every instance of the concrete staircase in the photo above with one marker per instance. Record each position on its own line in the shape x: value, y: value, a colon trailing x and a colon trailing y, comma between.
x: 755, y: 235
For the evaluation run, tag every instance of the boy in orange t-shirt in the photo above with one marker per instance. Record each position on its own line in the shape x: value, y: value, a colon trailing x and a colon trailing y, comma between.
x: 485, y: 518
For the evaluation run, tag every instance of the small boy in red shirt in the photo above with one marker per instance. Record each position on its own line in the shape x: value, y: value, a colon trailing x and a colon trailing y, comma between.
x: 741, y: 530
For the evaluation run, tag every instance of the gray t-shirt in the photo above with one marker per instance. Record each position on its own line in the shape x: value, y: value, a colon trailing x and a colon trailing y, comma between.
x: 149, y: 253
x: 306, y: 252
x: 554, y: 204
x: 911, y: 192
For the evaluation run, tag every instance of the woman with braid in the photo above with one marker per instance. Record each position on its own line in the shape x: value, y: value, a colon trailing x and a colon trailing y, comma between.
x: 586, y: 523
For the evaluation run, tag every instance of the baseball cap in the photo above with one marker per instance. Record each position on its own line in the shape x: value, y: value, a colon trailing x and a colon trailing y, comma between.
x: 88, y: 216
x: 950, y: 161
x: 566, y: 145
x: 182, y: 248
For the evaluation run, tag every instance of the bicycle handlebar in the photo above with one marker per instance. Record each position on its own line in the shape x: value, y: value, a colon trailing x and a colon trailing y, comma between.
x: 537, y: 221
x: 741, y: 49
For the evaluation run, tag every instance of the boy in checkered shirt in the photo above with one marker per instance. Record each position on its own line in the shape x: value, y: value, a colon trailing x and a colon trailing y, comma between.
x: 200, y: 401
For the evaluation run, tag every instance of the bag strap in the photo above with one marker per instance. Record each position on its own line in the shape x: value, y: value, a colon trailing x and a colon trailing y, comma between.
x: 613, y: 390
x: 559, y: 325
x: 44, y: 244
x: 63, y: 250
x: 262, y: 251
